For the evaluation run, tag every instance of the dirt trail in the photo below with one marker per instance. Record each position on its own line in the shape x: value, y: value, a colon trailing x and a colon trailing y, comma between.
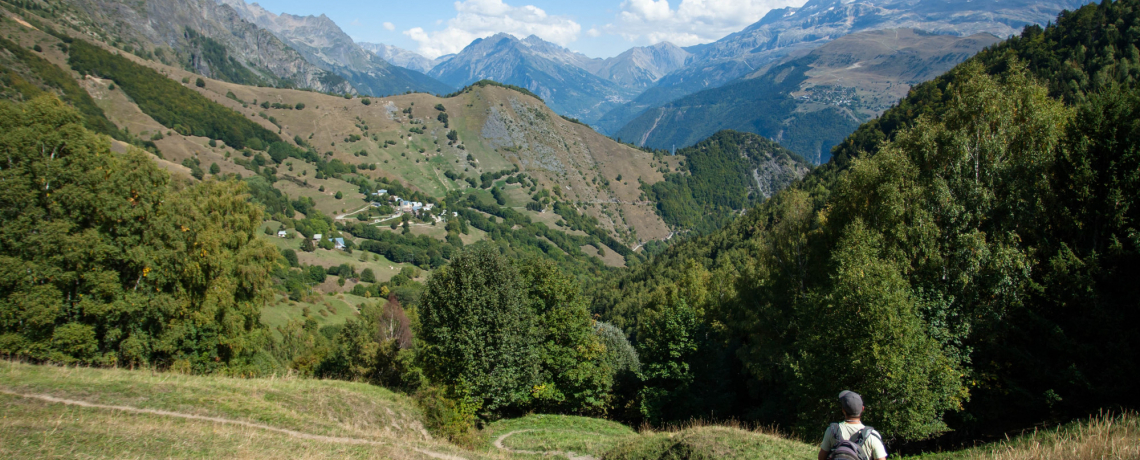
x: 164, y: 413
x: 343, y: 216
x: 571, y: 455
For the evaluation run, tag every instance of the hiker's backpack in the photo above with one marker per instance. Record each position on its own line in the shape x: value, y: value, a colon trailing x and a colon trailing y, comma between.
x: 852, y: 448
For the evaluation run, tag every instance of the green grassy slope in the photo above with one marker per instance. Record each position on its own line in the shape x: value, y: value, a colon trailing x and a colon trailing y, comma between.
x: 383, y: 423
x: 143, y: 414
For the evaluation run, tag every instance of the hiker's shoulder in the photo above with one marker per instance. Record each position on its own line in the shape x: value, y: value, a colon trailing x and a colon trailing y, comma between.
x: 873, y: 435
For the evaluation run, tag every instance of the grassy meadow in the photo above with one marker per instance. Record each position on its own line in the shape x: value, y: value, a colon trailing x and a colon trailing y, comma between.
x: 147, y: 414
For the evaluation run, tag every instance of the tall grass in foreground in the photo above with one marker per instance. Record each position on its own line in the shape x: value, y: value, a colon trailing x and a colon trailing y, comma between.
x: 1102, y: 437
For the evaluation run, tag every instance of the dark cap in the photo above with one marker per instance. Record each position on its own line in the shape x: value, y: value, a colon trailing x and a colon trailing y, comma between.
x: 851, y: 403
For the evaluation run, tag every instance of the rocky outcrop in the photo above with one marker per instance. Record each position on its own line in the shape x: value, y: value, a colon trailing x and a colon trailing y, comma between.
x: 323, y: 43
x: 173, y: 23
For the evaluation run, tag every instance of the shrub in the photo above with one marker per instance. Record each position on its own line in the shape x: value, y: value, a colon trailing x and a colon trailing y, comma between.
x: 450, y: 418
x: 368, y: 276
x: 200, y: 83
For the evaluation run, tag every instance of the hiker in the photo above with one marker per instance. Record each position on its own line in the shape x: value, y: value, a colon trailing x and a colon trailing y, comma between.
x: 850, y: 440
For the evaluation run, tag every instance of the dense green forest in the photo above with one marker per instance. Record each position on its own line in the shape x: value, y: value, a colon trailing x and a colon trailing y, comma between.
x: 965, y: 260
x: 205, y: 50
x: 717, y: 180
x: 103, y: 263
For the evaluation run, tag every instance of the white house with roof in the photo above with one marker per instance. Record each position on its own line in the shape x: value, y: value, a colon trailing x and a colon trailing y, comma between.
x: 282, y: 233
x: 338, y: 243
x: 317, y: 237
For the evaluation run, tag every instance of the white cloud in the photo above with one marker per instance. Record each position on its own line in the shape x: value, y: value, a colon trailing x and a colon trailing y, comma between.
x: 389, y: 26
x: 483, y: 18
x: 692, y: 22
x: 356, y: 23
x: 593, y: 32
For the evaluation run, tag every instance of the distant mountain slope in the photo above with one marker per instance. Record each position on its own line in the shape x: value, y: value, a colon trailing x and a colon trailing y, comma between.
x: 723, y: 175
x: 402, y: 57
x: 810, y: 104
x: 788, y: 31
x: 323, y: 43
x: 641, y: 66
x: 554, y: 73
x: 205, y: 36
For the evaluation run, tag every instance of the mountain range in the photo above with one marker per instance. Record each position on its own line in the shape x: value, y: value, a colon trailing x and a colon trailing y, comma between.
x: 323, y: 43
x: 202, y: 35
x: 615, y: 92
x: 404, y: 58
x: 785, y: 32
x: 626, y: 95
x: 810, y: 103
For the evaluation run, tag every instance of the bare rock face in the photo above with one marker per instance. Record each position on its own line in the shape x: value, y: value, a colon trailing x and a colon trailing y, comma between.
x: 175, y: 23
x: 324, y: 44
x: 642, y: 66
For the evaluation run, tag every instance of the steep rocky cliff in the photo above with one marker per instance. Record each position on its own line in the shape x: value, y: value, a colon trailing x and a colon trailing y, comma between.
x: 207, y: 38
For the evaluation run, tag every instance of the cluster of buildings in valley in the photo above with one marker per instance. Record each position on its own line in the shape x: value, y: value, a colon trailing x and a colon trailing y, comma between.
x: 403, y: 205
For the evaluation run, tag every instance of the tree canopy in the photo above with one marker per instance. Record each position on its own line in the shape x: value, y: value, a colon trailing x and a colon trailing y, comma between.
x: 103, y: 264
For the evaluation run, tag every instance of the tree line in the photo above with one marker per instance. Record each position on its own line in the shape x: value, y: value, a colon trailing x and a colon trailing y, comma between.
x: 963, y: 262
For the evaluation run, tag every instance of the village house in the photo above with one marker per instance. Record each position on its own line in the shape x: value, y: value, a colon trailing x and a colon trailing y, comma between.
x: 282, y: 233
x: 338, y: 243
x: 317, y: 237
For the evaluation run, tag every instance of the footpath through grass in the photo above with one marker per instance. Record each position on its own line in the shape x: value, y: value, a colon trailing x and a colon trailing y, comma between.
x: 379, y: 423
x: 33, y: 428
x: 557, y: 433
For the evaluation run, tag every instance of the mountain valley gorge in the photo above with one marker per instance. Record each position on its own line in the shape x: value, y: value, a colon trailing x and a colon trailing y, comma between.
x: 232, y: 232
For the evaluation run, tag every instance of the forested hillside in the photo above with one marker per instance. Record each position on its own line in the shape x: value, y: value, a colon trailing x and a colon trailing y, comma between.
x: 723, y: 175
x: 965, y: 259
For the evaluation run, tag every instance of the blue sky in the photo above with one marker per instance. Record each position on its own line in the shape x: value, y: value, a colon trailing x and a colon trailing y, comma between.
x: 597, y: 28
